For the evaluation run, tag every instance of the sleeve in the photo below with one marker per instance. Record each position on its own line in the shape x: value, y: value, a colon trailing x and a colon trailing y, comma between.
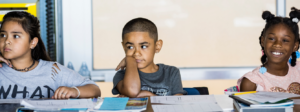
x: 117, y: 78
x: 176, y: 83
x: 253, y: 76
x: 70, y: 78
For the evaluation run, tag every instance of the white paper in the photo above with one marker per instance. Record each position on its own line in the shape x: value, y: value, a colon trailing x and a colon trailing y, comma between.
x: 58, y: 104
x: 268, y: 96
x: 198, y: 107
x: 10, y: 101
x: 225, y: 102
x: 186, y: 99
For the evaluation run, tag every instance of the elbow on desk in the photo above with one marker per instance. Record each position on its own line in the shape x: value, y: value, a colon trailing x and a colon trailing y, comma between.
x: 132, y: 92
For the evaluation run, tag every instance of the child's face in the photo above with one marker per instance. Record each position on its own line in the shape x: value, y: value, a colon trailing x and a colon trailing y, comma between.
x: 14, y: 41
x: 142, y: 47
x: 279, y: 43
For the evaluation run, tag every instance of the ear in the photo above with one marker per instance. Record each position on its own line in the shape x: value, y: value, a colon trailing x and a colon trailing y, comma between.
x: 158, y: 46
x: 262, y: 41
x: 34, y: 42
x: 296, y: 46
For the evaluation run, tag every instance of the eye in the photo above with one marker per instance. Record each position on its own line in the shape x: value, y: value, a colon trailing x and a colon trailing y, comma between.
x: 144, y: 47
x: 284, y: 40
x: 3, y: 35
x: 129, y: 47
x: 16, y: 36
x: 271, y: 38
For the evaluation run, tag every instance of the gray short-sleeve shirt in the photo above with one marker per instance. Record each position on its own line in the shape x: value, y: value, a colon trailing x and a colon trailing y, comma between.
x: 166, y: 81
x: 41, y: 82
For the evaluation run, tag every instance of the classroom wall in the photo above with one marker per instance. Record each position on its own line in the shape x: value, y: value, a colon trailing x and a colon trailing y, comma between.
x: 196, y: 33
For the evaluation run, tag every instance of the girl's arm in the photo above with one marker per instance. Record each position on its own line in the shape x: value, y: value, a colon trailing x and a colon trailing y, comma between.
x: 86, y: 91
x: 247, y: 85
x: 72, y: 78
x: 130, y: 86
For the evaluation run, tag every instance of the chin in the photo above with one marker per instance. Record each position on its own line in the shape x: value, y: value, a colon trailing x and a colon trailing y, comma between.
x: 8, y: 56
x: 141, y: 66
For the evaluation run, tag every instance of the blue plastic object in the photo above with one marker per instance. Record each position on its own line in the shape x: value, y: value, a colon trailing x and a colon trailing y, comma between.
x: 191, y: 91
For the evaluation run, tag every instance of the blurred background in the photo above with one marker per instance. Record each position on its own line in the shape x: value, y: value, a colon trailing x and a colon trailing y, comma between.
x: 212, y: 42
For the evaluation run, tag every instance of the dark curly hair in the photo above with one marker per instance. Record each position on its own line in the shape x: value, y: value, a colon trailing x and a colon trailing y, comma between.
x: 271, y: 20
x: 31, y: 25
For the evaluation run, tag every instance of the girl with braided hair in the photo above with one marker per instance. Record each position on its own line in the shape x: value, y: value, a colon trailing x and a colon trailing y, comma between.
x: 28, y: 72
x: 280, y: 71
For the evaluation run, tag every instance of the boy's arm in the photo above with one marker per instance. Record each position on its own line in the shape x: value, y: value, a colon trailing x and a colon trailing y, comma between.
x: 247, y: 85
x: 130, y: 86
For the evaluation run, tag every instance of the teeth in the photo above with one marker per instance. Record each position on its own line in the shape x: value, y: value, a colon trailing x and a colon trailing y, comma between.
x: 276, y: 53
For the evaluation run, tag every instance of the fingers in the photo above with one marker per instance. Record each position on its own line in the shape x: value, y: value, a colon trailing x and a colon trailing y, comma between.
x: 62, y: 93
x: 5, y: 61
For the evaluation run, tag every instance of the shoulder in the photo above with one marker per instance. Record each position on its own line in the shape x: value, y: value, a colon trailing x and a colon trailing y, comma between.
x: 119, y: 74
x: 168, y: 68
x: 254, y: 76
x: 56, y: 66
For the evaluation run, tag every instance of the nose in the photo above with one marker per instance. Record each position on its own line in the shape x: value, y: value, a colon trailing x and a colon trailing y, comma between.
x: 137, y: 52
x: 277, y: 44
x: 7, y: 40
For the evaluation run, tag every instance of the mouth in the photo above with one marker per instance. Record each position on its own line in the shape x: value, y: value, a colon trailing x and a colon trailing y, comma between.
x: 277, y: 53
x: 138, y: 61
x: 7, y: 49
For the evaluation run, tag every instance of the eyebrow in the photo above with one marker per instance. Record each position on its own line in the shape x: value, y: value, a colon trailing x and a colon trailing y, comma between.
x: 12, y: 32
x: 128, y: 43
x: 144, y: 43
x: 139, y: 43
x: 284, y: 35
x: 17, y: 32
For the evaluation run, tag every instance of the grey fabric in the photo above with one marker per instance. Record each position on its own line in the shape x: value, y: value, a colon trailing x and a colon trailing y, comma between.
x: 41, y: 82
x: 166, y: 81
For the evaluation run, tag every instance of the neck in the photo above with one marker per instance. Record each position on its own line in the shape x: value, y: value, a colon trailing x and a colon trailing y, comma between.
x: 151, y: 68
x: 22, y: 63
x: 279, y: 69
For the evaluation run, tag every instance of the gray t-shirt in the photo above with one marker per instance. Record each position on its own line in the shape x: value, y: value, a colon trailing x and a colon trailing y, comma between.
x: 166, y: 81
x: 41, y: 82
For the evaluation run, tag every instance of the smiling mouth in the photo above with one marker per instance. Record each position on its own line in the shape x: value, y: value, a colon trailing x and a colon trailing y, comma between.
x: 277, y: 53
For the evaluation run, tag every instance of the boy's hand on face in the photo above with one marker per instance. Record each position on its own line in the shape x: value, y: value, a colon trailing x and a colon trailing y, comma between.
x: 144, y: 93
x: 5, y: 61
x: 65, y: 92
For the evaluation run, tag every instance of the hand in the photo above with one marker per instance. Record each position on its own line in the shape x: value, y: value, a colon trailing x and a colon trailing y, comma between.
x: 65, y: 92
x: 5, y: 61
x: 144, y: 93
x: 122, y: 65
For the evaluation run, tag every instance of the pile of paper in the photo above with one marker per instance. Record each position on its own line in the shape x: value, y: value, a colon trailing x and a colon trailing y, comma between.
x: 189, y: 103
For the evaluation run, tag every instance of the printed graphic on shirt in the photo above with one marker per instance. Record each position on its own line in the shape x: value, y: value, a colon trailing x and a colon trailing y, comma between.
x: 163, y: 91
x: 293, y: 88
x: 15, y: 90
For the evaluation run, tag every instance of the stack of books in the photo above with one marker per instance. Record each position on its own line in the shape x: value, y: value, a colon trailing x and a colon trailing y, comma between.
x: 263, y: 101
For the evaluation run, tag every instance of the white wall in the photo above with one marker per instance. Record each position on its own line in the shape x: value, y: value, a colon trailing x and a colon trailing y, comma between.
x: 77, y: 32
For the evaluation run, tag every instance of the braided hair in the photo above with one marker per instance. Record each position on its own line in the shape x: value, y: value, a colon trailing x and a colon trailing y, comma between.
x: 31, y: 25
x: 271, y: 20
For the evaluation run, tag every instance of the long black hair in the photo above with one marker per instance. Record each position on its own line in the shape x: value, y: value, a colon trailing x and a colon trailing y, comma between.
x: 31, y: 25
x: 271, y: 20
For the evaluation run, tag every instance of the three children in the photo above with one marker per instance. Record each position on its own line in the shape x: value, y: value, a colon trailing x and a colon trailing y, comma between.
x: 29, y: 73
